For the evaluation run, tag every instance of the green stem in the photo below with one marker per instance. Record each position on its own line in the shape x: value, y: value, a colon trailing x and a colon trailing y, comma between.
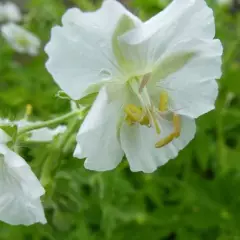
x: 51, y: 122
x: 48, y: 167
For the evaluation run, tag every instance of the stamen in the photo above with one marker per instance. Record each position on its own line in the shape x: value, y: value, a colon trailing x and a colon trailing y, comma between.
x: 177, y: 125
x: 158, y: 130
x: 175, y: 134
x: 144, y: 81
x: 136, y: 114
x: 163, y: 142
x: 163, y: 104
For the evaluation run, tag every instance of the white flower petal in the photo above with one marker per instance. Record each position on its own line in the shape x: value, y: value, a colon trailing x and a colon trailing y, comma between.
x: 80, y: 53
x: 180, y: 21
x: 4, y: 138
x: 12, y: 12
x: 97, y: 138
x: 193, y: 89
x: 138, y: 143
x: 78, y: 153
x: 20, y: 191
x: 17, y: 209
x: 46, y: 134
x: 20, y: 39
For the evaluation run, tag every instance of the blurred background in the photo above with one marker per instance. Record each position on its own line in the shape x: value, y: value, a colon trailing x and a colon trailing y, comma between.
x: 195, y: 196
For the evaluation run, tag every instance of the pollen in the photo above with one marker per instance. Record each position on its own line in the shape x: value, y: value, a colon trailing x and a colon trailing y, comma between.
x: 135, y: 114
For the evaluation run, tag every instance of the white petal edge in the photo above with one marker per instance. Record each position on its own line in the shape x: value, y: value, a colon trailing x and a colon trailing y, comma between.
x: 4, y: 138
x: 97, y: 138
x: 138, y: 143
x: 80, y: 53
x: 181, y: 20
x: 20, y: 191
x: 193, y: 89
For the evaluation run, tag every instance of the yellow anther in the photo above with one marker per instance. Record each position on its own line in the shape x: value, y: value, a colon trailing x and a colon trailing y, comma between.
x: 175, y: 134
x: 163, y: 104
x: 135, y: 114
x: 29, y: 109
x: 163, y: 142
x: 177, y: 125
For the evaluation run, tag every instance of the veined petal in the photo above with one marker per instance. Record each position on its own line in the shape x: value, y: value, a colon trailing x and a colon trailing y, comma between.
x: 138, y: 143
x: 192, y: 89
x: 80, y: 53
x: 20, y: 191
x: 97, y: 138
x: 181, y: 20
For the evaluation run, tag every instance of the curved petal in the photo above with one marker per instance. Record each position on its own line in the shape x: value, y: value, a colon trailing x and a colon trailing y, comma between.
x: 97, y: 138
x: 18, y: 209
x: 181, y: 20
x: 20, y: 191
x: 80, y: 53
x: 192, y: 89
x: 138, y: 143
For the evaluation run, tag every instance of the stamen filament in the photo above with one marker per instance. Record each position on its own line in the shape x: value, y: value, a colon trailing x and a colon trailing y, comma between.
x: 175, y: 134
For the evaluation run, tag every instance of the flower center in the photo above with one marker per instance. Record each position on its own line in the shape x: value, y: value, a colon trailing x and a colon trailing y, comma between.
x: 22, y: 41
x: 148, y: 114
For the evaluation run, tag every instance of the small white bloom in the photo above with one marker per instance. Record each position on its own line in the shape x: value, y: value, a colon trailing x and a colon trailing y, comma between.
x: 43, y: 134
x: 46, y: 134
x: 154, y: 79
x: 39, y: 135
x: 10, y: 12
x: 20, y: 190
x: 20, y: 39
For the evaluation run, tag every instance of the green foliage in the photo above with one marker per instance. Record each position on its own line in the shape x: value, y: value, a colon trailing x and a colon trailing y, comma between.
x: 192, y: 197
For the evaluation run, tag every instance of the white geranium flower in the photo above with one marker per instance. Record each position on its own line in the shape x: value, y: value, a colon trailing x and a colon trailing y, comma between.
x: 20, y: 190
x: 155, y: 78
x: 20, y: 39
x: 10, y: 12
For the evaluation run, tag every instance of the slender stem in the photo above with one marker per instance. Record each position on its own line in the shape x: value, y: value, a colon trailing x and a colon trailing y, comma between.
x: 50, y: 122
x: 48, y: 169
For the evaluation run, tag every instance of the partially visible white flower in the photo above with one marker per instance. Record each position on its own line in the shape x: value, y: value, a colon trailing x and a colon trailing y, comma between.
x: 39, y: 135
x: 43, y: 134
x: 10, y: 12
x: 20, y: 39
x: 20, y: 190
x: 46, y: 134
x: 154, y: 78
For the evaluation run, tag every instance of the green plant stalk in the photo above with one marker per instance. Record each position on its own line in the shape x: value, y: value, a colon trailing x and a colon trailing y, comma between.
x: 47, y: 170
x: 51, y: 122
